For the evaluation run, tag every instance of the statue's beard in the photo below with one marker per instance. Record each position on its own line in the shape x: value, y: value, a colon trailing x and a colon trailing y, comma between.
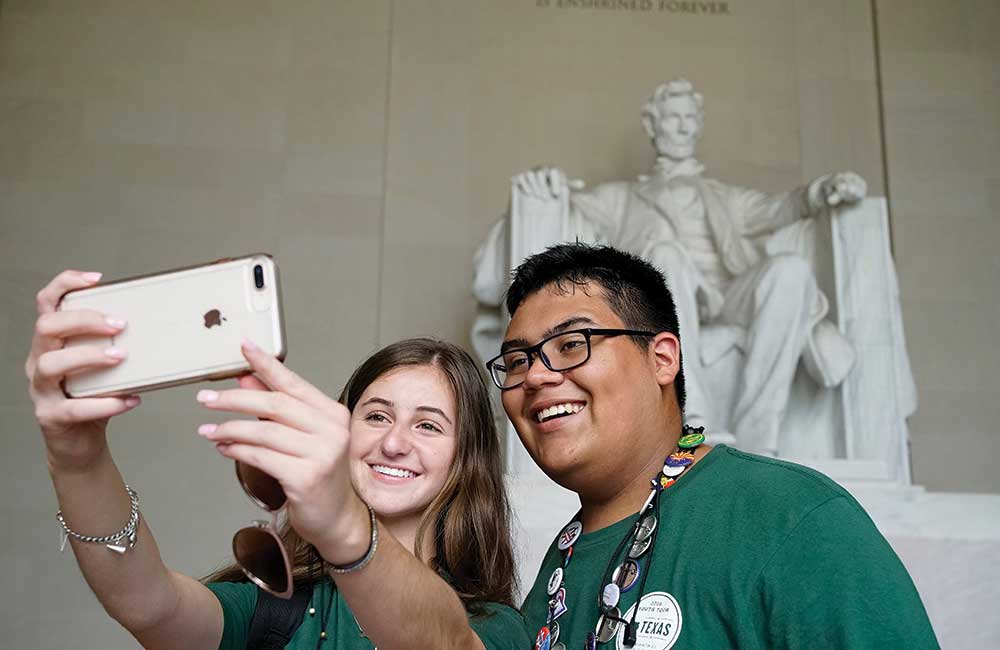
x: 675, y: 150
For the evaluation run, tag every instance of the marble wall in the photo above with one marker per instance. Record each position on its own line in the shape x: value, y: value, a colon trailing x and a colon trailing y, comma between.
x: 481, y: 90
x: 367, y: 145
x: 942, y: 125
x: 140, y: 135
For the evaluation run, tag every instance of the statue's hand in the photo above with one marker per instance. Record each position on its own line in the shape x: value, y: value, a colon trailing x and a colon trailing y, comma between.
x: 540, y: 192
x: 843, y: 187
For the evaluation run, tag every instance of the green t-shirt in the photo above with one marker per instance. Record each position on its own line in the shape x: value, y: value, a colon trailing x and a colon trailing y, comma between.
x: 500, y: 628
x: 750, y: 552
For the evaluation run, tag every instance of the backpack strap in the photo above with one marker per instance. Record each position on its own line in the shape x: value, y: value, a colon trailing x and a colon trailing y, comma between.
x: 275, y: 620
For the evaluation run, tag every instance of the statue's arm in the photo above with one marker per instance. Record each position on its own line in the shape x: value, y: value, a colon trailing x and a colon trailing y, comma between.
x: 597, y: 213
x: 764, y: 213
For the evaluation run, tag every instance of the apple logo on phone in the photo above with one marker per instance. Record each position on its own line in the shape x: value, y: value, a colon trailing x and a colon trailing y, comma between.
x: 213, y: 317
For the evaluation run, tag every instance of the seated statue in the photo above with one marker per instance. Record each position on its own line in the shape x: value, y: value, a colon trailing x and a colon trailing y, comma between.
x: 737, y: 284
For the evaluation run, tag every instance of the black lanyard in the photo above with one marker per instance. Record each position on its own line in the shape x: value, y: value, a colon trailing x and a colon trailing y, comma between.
x: 674, y: 466
x: 631, y: 539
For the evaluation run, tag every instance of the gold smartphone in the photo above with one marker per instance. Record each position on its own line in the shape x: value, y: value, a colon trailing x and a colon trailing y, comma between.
x: 184, y: 325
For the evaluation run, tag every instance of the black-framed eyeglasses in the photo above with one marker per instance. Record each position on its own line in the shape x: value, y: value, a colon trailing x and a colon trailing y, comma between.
x: 559, y: 352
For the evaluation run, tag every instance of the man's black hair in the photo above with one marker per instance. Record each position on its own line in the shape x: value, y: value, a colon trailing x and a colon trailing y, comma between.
x: 636, y: 291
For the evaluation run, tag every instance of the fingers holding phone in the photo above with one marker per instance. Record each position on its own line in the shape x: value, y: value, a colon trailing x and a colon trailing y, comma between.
x: 73, y: 428
x: 301, y: 441
x: 184, y: 325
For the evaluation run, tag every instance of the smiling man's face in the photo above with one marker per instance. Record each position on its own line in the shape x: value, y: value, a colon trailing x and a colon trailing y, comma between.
x: 604, y: 405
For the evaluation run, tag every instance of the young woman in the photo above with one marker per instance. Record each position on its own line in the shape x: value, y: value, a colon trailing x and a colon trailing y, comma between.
x: 413, y: 444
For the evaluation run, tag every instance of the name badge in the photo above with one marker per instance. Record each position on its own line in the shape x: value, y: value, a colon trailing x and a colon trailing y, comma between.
x: 658, y: 623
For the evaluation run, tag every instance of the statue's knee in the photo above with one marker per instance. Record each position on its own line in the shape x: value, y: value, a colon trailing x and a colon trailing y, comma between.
x: 789, y: 263
x: 791, y: 271
x: 790, y: 275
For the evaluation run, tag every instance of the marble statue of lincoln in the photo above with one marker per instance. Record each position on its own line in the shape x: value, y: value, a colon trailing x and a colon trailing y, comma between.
x: 709, y: 238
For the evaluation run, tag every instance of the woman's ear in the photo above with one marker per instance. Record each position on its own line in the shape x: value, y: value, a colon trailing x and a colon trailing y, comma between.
x: 666, y: 350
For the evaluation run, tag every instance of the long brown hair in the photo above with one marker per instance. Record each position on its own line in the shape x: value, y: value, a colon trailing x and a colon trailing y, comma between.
x: 470, y: 518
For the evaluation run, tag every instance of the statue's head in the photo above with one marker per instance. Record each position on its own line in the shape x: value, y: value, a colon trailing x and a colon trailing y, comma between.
x: 673, y: 118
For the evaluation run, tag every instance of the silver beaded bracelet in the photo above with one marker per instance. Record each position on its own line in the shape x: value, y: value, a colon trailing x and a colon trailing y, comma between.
x: 372, y: 546
x: 113, y: 541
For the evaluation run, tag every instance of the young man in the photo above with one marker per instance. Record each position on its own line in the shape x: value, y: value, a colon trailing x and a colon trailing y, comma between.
x: 718, y: 548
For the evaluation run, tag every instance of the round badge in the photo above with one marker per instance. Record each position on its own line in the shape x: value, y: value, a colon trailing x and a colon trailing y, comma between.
x: 553, y: 634
x: 555, y: 581
x: 559, y: 646
x: 691, y: 440
x: 610, y: 595
x: 608, y: 625
x: 542, y: 640
x: 591, y: 642
x: 680, y: 459
x: 639, y: 547
x: 626, y: 575
x: 569, y: 535
x: 646, y: 528
x: 657, y: 623
x: 673, y: 471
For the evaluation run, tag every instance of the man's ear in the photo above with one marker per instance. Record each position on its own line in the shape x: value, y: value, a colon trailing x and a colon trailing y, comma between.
x: 666, y: 351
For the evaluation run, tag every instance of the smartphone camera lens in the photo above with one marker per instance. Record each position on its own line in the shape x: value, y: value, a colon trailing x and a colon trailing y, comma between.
x: 258, y: 276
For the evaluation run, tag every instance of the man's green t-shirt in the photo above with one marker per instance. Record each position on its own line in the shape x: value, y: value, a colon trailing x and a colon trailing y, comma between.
x: 750, y: 552
x: 500, y: 628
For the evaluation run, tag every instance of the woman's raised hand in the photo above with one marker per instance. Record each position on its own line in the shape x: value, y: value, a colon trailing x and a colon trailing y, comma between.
x: 301, y: 439
x: 73, y: 429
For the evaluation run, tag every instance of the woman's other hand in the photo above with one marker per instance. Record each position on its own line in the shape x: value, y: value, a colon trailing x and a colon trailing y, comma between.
x: 73, y: 429
x: 301, y: 439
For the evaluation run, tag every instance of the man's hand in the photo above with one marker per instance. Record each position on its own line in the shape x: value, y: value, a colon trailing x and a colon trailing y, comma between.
x: 842, y: 187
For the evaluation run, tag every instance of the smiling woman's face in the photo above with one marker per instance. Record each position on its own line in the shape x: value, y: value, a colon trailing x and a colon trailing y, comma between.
x: 403, y: 440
